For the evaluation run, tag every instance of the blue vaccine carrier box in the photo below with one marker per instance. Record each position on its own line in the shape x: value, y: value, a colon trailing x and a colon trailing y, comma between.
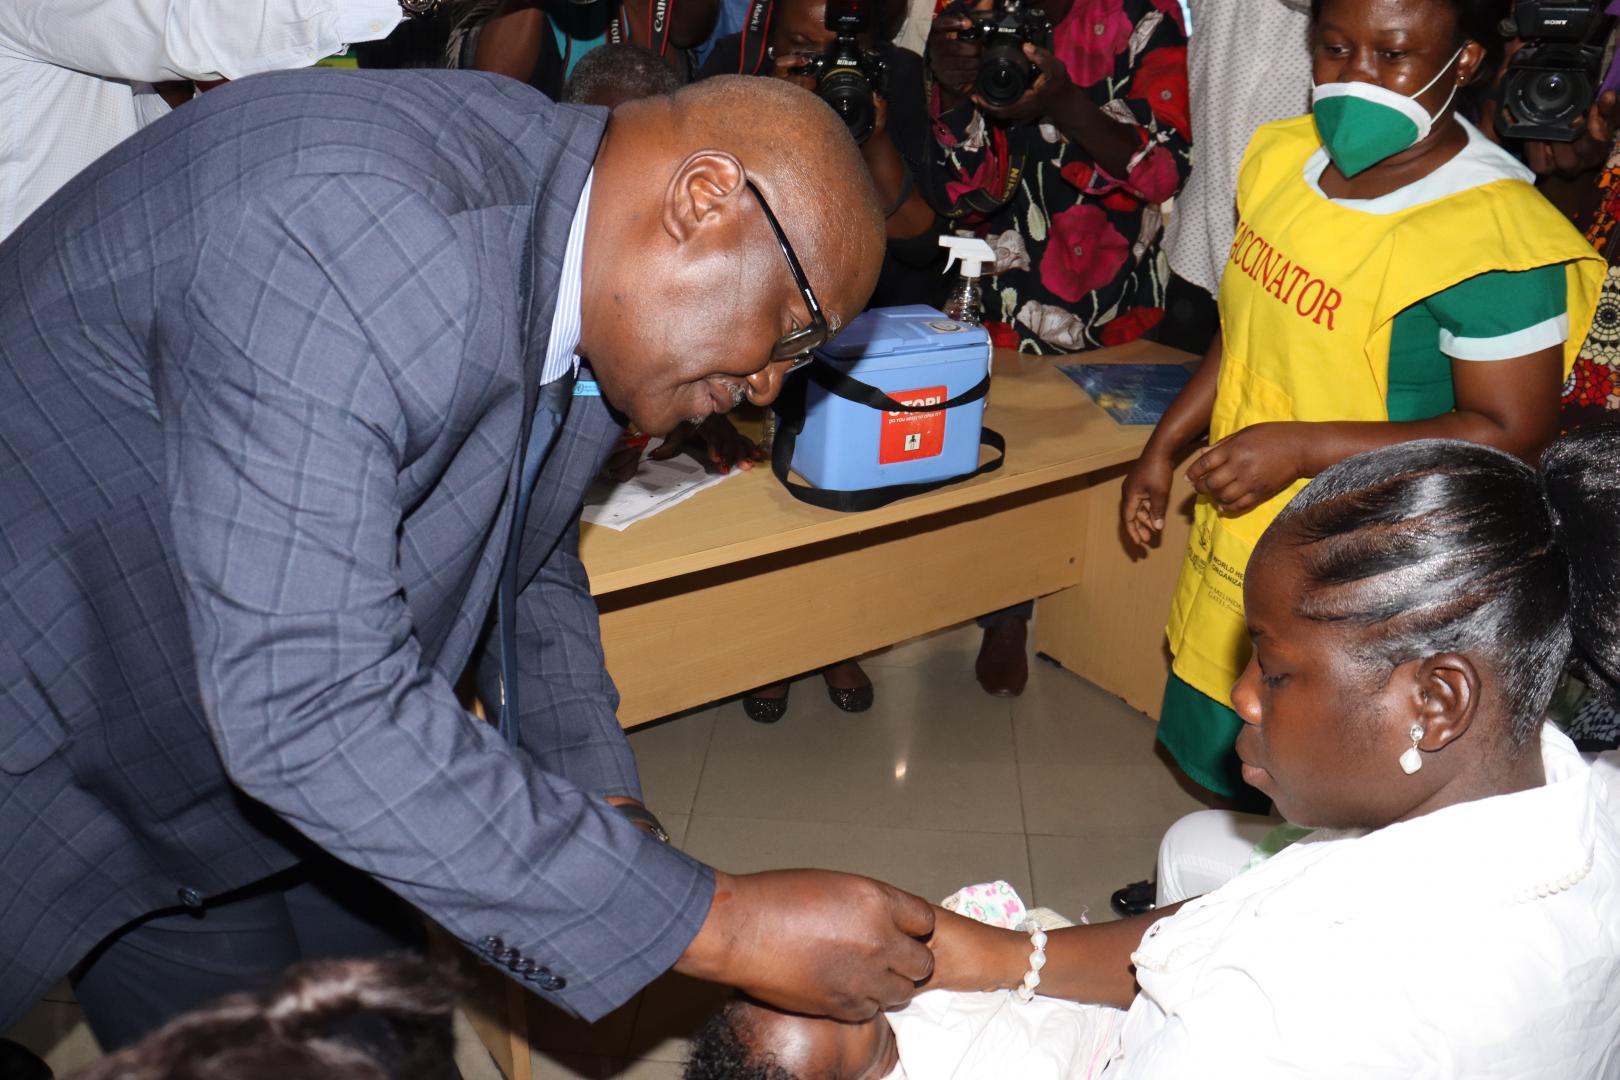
x: 918, y: 356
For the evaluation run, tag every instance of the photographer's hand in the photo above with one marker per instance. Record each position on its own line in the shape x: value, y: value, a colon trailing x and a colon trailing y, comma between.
x: 955, y: 62
x: 1591, y: 146
x: 790, y: 66
x: 1055, y: 98
x: 1045, y: 95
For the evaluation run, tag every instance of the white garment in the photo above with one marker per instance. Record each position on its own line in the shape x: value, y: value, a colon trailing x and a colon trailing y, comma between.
x: 76, y: 75
x: 1479, y: 941
x: 1248, y: 63
x: 949, y: 1036
x: 1205, y: 850
x: 568, y: 317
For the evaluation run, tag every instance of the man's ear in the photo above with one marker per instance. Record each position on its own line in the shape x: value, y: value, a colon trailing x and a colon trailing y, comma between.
x: 1447, y: 692
x: 704, y: 186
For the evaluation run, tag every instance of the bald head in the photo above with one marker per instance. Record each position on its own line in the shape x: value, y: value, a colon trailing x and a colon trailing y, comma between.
x: 794, y: 146
x: 687, y: 290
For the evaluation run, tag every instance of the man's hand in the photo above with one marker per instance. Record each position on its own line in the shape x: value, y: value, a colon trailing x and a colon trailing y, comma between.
x: 1145, y: 497
x: 726, y: 445
x: 1590, y: 148
x: 971, y: 957
x: 1052, y: 87
x: 1248, y: 467
x: 814, y: 942
x: 790, y: 66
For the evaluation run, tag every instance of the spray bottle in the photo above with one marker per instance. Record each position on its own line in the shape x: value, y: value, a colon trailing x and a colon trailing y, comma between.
x: 964, y: 303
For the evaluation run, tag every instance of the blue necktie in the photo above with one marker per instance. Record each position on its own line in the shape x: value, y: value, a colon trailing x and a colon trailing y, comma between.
x: 550, y: 410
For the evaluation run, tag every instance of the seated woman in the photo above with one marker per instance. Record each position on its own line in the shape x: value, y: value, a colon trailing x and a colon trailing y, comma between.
x: 1456, y: 911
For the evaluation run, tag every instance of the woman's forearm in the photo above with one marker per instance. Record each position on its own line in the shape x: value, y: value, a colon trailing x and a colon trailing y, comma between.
x: 1088, y: 964
x: 510, y: 42
x: 1509, y: 404
x: 1188, y: 415
x: 889, y: 172
x: 1110, y: 143
x: 1328, y: 443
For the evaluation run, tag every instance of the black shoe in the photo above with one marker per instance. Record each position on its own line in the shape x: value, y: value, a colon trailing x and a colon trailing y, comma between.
x: 17, y: 1062
x: 857, y: 699
x: 1137, y: 898
x: 765, y: 710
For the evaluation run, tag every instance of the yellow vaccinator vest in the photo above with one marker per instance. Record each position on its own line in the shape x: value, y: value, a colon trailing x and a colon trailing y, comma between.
x: 1308, y: 301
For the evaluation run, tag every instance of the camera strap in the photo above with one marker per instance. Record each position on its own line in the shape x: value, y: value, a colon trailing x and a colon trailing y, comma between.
x: 983, y: 203
x: 790, y: 411
x: 756, y: 33
x: 658, y: 22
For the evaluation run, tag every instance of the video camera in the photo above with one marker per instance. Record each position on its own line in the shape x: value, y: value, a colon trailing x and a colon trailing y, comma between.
x: 1006, y: 72
x: 847, y: 76
x: 1553, y: 79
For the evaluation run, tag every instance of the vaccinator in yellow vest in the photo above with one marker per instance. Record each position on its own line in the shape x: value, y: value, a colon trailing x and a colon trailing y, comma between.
x: 1355, y: 314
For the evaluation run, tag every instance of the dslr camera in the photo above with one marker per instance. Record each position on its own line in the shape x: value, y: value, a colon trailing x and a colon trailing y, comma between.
x: 847, y: 76
x: 1551, y: 82
x: 1006, y: 72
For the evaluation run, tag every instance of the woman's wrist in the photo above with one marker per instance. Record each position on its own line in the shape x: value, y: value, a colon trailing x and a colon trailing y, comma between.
x: 1300, y: 449
x: 1006, y: 961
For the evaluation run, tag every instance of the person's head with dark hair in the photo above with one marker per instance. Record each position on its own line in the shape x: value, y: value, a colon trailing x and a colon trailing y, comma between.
x: 1417, y: 606
x: 745, y: 1041
x: 1405, y: 45
x: 613, y: 74
x: 371, y: 1019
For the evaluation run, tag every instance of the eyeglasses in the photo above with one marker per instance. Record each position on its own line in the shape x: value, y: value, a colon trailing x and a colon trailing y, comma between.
x: 796, y: 345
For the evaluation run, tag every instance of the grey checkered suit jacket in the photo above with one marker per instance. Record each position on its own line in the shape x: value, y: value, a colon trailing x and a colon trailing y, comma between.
x: 266, y: 371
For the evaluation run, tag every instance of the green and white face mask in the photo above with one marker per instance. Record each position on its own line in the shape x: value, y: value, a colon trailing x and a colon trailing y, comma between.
x: 1362, y: 123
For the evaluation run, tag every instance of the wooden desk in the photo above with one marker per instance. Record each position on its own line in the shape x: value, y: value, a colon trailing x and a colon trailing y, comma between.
x: 743, y: 585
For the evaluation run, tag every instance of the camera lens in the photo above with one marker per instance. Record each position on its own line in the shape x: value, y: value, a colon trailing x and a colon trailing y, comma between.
x: 1004, y: 76
x: 1550, y: 93
x: 850, y: 95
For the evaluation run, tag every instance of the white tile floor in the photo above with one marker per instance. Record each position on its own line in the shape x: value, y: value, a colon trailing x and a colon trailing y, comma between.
x: 1059, y: 792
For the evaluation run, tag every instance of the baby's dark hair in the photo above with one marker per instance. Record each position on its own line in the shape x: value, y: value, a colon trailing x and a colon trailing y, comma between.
x: 1442, y: 546
x: 721, y: 1050
x: 371, y: 1019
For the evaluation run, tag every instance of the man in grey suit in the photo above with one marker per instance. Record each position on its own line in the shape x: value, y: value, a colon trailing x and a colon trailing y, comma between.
x: 287, y: 444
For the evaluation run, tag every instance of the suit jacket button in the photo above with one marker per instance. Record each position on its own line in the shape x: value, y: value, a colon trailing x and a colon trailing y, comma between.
x: 491, y: 945
x: 524, y: 967
x: 548, y: 981
x: 189, y: 896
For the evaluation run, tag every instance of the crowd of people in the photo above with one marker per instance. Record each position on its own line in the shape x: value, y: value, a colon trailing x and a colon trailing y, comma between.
x: 304, y: 375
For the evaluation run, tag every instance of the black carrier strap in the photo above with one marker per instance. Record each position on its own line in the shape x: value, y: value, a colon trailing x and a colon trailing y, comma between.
x: 790, y: 407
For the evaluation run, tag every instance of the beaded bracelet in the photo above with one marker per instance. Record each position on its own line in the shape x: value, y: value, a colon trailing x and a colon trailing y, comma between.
x: 1037, y: 960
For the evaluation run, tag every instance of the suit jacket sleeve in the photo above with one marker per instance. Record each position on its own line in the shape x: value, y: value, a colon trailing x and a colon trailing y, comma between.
x: 289, y: 377
x: 568, y: 718
x: 154, y: 40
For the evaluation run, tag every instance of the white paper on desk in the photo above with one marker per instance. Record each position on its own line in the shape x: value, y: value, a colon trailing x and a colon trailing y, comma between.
x: 657, y: 486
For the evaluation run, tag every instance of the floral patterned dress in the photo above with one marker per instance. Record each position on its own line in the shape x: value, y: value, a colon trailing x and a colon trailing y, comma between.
x: 1078, y: 258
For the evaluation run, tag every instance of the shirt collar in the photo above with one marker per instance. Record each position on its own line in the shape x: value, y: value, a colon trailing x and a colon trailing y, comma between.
x: 567, y: 316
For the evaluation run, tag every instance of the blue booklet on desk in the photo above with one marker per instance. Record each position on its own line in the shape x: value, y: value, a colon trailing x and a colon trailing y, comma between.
x: 1130, y: 393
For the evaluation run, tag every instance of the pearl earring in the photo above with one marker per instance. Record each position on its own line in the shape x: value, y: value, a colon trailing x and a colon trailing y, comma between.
x: 1412, y: 760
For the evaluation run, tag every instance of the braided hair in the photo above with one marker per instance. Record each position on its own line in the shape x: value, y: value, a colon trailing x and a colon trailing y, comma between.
x: 1443, y: 546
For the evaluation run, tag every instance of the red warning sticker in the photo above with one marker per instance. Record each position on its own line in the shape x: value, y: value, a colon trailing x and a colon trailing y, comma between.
x: 912, y: 436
